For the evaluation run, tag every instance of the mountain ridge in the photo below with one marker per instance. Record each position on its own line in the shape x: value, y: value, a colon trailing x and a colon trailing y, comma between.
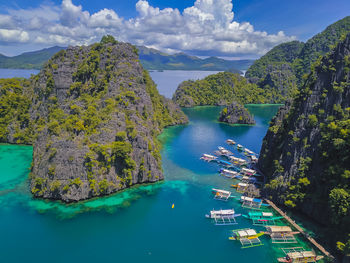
x: 151, y: 59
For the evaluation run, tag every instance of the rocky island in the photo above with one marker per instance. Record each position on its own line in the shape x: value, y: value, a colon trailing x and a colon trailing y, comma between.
x: 235, y: 113
x: 93, y: 115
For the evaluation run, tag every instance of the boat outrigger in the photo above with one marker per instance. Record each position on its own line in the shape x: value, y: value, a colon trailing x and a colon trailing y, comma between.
x: 230, y: 142
x: 281, y: 234
x: 208, y: 157
x: 298, y: 255
x: 221, y: 195
x: 223, y: 217
x: 252, y: 203
x: 247, y: 236
x: 262, y: 218
x: 229, y: 173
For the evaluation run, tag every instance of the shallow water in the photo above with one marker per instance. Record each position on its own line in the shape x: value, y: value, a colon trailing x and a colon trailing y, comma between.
x: 137, y: 224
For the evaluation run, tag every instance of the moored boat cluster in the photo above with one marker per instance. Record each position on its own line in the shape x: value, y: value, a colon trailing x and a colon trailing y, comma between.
x: 241, y: 168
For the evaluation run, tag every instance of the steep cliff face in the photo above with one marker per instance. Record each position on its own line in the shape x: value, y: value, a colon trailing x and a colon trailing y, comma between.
x: 96, y: 114
x: 305, y: 154
x: 235, y: 113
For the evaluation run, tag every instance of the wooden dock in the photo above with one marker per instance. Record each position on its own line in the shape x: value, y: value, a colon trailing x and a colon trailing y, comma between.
x: 306, y: 235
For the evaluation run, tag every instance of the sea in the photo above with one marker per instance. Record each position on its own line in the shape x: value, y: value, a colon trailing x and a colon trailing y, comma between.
x: 161, y: 222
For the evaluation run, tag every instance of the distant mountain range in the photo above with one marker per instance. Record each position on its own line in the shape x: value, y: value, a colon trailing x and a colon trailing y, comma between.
x: 29, y: 60
x: 151, y: 59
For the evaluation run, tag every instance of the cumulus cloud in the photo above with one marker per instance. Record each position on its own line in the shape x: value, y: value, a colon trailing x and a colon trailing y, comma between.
x: 208, y: 27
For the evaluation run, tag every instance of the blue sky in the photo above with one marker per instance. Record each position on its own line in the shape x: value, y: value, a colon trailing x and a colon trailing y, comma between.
x: 198, y: 28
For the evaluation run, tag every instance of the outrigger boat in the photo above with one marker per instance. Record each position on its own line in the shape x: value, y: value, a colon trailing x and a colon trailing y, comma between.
x: 298, y: 255
x: 240, y: 147
x: 229, y: 173
x: 281, y: 234
x: 253, y: 158
x: 248, y: 152
x: 237, y: 161
x: 248, y: 171
x: 247, y: 236
x: 247, y: 179
x: 252, y: 203
x: 222, y: 195
x: 231, y: 142
x: 208, y: 157
x: 241, y: 187
x: 223, y: 151
x: 223, y: 217
x: 262, y: 218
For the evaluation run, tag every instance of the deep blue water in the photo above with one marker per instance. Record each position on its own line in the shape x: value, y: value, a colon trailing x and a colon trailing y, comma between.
x: 168, y: 80
x: 17, y: 73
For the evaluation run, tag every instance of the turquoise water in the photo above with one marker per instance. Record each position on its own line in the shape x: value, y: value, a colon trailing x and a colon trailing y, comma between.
x: 137, y: 225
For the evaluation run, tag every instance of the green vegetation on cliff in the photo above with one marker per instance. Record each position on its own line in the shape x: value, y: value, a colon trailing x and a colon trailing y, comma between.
x: 286, y: 65
x: 306, y: 152
x: 222, y: 89
x: 15, y: 124
x: 95, y: 114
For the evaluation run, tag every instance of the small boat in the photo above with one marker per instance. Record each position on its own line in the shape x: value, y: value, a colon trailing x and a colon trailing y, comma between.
x: 298, y: 254
x: 247, y: 236
x: 253, y: 158
x: 237, y: 161
x: 281, y: 234
x: 208, y: 157
x: 248, y: 171
x: 230, y: 142
x: 262, y: 218
x: 240, y: 147
x: 220, y: 194
x: 248, y: 152
x: 223, y: 217
x: 224, y: 163
x: 252, y: 203
x: 248, y: 179
x: 229, y: 173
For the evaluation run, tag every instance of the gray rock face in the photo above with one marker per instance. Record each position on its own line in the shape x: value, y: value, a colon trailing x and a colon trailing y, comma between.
x: 293, y: 151
x: 97, y: 114
x: 235, y: 113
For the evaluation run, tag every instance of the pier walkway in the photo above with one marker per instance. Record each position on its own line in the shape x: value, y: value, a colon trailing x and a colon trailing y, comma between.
x: 306, y: 235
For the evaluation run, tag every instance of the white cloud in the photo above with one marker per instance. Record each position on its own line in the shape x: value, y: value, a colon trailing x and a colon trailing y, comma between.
x: 8, y: 35
x: 208, y: 27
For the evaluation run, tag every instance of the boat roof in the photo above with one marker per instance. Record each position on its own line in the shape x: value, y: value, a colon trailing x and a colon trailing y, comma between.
x: 301, y: 254
x: 222, y: 191
x: 267, y: 214
x: 248, y: 170
x: 246, y: 233
x: 223, y: 212
x: 242, y: 184
x: 246, y: 198
x: 274, y: 229
x: 208, y: 155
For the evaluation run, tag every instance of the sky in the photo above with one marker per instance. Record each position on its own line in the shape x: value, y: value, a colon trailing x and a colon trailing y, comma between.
x: 225, y: 28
